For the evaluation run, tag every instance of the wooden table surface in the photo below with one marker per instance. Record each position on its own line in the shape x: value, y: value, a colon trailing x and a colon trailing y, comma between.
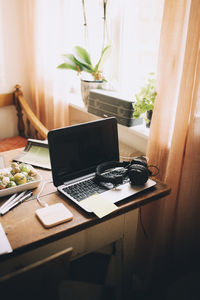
x: 24, y: 230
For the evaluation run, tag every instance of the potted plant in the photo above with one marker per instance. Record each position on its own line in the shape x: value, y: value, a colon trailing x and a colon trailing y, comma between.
x: 144, y: 103
x: 81, y: 62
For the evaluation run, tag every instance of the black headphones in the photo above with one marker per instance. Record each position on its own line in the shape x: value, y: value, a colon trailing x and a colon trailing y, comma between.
x: 137, y: 171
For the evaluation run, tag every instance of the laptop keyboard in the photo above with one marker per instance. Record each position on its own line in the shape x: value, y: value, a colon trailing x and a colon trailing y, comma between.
x: 84, y: 189
x: 87, y: 188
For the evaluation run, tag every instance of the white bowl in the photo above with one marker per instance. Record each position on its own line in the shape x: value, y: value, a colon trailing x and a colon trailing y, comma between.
x: 22, y: 187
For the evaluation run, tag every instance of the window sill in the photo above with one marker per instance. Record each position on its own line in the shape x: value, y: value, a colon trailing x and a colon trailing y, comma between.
x: 135, y: 137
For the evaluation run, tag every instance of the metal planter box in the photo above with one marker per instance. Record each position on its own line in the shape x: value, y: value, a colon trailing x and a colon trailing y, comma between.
x: 104, y: 104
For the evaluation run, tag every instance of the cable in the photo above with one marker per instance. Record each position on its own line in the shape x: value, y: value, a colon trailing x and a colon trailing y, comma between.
x: 141, y: 222
x: 42, y: 203
x: 155, y: 167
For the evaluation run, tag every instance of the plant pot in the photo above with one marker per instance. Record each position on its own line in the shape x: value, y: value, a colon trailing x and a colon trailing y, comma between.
x: 149, y: 114
x: 86, y: 86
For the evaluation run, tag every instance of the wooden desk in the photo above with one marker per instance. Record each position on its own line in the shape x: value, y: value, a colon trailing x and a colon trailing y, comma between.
x: 85, y: 233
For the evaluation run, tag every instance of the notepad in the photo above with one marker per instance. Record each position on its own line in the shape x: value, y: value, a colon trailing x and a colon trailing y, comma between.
x: 5, y: 246
x: 99, y: 205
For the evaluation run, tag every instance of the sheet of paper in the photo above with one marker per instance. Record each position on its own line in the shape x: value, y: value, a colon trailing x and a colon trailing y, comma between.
x: 5, y: 246
x: 99, y: 205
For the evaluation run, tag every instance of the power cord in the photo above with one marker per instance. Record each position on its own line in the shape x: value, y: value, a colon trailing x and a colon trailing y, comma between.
x: 42, y: 203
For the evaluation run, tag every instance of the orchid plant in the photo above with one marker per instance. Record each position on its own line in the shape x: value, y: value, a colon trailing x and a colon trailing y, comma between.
x: 81, y: 61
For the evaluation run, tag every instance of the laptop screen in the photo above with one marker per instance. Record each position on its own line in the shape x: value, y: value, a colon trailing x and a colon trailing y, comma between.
x: 76, y: 150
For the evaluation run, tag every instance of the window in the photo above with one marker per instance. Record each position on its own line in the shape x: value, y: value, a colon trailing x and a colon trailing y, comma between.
x: 133, y: 29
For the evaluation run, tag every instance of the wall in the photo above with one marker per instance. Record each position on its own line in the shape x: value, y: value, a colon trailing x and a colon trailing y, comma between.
x: 12, y: 47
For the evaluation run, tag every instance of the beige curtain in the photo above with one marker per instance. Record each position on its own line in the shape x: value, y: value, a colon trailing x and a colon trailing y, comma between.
x: 173, y: 223
x: 44, y: 41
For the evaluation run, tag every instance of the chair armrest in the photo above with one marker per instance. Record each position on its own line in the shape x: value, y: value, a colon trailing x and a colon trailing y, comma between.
x: 40, y: 131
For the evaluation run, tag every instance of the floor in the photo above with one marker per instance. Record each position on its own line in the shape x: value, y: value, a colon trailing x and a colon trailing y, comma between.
x: 184, y: 288
x: 86, y: 280
x: 183, y: 284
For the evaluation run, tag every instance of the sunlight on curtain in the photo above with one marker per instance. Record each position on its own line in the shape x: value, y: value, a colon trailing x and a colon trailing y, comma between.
x: 48, y: 42
x: 139, y: 42
x: 46, y: 35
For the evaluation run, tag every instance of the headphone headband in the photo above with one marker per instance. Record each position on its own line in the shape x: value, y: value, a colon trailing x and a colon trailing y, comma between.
x: 117, y: 179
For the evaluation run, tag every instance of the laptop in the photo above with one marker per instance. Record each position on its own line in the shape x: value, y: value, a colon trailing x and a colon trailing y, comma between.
x: 75, y: 151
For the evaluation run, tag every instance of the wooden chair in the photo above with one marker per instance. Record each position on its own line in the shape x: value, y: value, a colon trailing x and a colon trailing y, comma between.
x: 17, y: 118
x: 38, y: 280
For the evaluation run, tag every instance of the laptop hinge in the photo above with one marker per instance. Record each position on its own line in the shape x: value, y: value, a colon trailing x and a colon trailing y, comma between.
x: 91, y: 175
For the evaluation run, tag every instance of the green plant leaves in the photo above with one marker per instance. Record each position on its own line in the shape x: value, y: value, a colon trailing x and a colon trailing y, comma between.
x: 104, y: 55
x: 144, y: 100
x: 74, y: 64
x: 83, y: 66
x: 83, y: 54
x: 67, y: 66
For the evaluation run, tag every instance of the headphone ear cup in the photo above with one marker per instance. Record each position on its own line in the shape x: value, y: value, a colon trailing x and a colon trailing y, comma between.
x: 140, y: 161
x: 138, y: 174
x: 116, y: 179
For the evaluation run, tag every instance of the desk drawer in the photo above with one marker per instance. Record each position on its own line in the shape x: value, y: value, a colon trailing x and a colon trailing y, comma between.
x: 82, y: 242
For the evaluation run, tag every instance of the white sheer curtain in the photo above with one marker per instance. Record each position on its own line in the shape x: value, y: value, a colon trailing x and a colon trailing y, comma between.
x: 45, y: 35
